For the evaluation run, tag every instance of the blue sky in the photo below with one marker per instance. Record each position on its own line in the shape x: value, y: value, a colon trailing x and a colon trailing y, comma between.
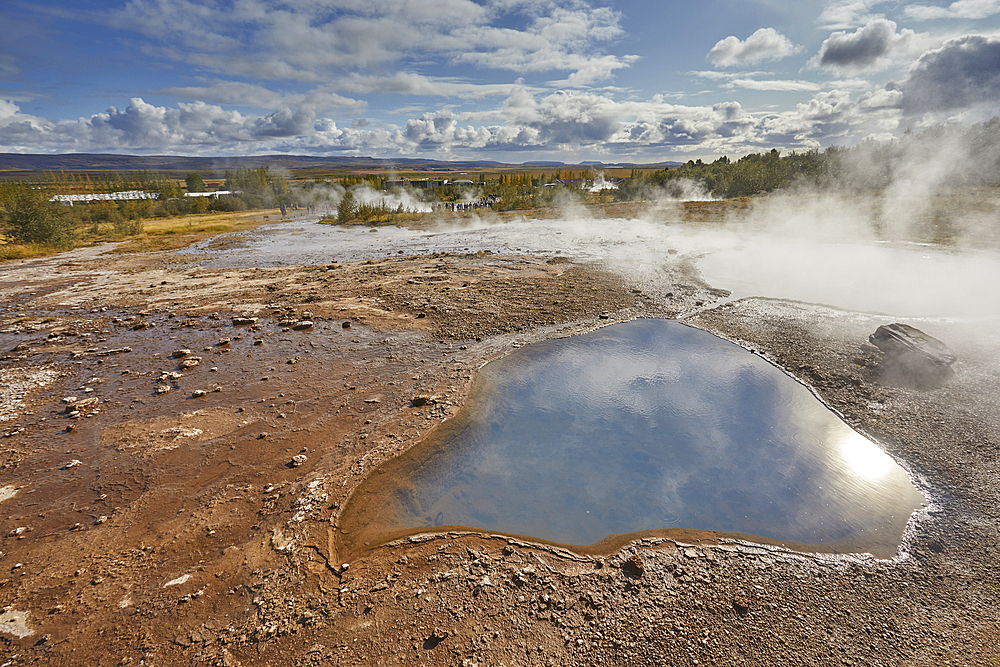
x: 510, y: 80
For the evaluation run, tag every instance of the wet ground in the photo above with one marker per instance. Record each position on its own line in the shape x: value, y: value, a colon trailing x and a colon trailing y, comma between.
x: 158, y: 525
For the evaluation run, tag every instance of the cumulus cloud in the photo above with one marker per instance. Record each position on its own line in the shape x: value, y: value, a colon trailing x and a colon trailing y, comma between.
x: 317, y: 41
x: 242, y: 94
x: 846, y: 14
x: 868, y: 48
x: 962, y: 9
x: 962, y: 74
x: 565, y: 122
x: 765, y: 44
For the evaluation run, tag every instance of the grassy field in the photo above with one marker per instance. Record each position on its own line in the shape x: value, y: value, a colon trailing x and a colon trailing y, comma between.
x: 158, y: 233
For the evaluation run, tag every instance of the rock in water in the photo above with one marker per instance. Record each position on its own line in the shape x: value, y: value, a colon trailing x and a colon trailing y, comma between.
x: 909, y: 356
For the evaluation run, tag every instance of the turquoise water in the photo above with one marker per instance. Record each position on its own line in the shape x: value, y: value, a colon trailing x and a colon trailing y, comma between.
x: 641, y: 426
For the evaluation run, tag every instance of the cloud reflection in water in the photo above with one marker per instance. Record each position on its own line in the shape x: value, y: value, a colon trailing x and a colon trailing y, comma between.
x: 648, y: 425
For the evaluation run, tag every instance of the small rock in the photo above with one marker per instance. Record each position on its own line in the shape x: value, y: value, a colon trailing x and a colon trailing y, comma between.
x: 421, y: 400
x: 634, y: 568
x: 225, y: 341
x: 198, y: 393
x: 180, y: 354
x: 162, y: 389
x: 72, y: 464
x: 741, y: 606
x: 302, y: 325
x: 244, y: 321
x: 85, y: 403
x: 190, y: 363
x: 298, y: 460
x: 346, y: 325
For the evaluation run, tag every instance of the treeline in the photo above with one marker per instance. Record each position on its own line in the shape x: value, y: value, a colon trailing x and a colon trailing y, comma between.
x: 753, y: 174
x: 29, y: 213
x: 965, y: 156
x: 373, y: 181
x: 60, y: 183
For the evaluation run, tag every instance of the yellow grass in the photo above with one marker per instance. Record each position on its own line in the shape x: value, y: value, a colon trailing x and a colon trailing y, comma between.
x: 158, y: 233
x: 181, y: 231
x: 14, y: 251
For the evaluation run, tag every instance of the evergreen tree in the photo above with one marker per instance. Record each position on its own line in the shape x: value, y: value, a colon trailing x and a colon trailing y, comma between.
x: 195, y: 183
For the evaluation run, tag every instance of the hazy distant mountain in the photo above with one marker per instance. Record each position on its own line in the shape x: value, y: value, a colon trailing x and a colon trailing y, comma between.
x: 108, y: 162
x: 82, y: 161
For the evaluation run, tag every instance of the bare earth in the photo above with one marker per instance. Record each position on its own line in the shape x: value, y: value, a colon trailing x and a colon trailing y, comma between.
x: 143, y: 525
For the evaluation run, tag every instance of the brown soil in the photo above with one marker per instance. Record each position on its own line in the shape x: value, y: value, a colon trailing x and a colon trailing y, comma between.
x: 153, y: 527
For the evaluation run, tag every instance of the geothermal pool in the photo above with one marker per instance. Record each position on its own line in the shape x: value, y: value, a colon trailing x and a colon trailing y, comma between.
x: 649, y: 425
x: 904, y: 280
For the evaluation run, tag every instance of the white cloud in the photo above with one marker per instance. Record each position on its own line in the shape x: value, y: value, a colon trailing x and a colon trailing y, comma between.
x: 564, y: 122
x: 322, y: 40
x: 871, y: 47
x: 846, y: 14
x: 962, y: 9
x: 964, y: 73
x: 241, y: 94
x: 775, y: 85
x: 409, y: 83
x: 765, y: 44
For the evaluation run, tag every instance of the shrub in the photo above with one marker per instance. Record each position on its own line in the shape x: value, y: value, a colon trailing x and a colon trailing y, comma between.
x: 33, y: 219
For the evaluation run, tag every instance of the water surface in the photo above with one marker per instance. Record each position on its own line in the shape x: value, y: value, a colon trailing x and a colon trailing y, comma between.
x: 648, y: 425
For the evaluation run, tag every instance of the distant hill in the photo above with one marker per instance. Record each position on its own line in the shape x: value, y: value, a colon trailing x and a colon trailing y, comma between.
x: 108, y: 162
x: 96, y: 161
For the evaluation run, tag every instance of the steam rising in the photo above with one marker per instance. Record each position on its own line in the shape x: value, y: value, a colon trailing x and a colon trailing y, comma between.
x: 393, y: 199
x: 861, y: 241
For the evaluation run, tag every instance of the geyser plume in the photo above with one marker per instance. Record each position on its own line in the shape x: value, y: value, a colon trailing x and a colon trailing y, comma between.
x: 327, y: 197
x: 393, y: 199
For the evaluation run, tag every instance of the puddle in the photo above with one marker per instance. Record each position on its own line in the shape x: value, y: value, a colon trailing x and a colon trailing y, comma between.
x: 649, y: 425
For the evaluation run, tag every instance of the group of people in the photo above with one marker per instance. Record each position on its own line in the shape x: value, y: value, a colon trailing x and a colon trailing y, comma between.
x: 486, y: 201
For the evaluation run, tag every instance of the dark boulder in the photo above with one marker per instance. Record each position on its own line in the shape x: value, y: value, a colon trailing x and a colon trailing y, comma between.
x: 910, y: 357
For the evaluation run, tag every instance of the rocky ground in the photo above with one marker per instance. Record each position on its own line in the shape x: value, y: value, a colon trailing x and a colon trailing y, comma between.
x: 178, y: 442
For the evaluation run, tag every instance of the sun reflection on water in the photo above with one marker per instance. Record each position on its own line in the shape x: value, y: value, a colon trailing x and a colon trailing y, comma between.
x: 865, y: 458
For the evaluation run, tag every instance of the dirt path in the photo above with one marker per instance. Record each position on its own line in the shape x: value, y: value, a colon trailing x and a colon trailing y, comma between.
x: 146, y: 522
